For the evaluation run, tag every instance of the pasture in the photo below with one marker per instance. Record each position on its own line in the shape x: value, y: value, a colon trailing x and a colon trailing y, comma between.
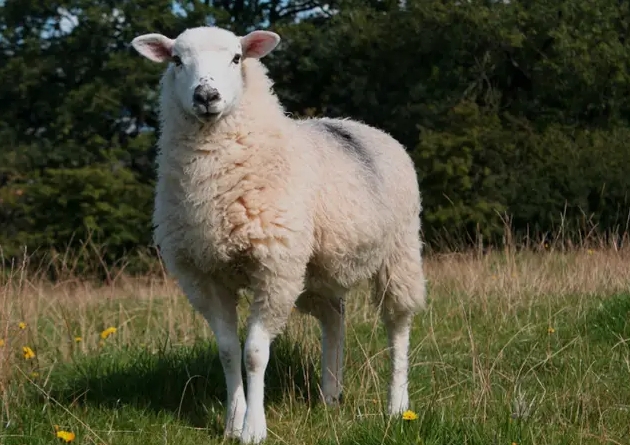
x: 515, y: 348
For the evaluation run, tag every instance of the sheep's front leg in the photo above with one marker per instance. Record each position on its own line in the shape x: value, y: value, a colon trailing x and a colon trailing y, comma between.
x: 269, y: 314
x: 225, y: 327
x: 256, y: 359
x: 218, y: 306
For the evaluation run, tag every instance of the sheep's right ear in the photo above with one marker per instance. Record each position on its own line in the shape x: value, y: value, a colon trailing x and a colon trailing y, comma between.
x: 155, y: 47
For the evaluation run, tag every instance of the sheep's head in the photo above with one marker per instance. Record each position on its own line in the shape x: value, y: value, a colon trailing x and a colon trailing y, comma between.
x: 205, y: 72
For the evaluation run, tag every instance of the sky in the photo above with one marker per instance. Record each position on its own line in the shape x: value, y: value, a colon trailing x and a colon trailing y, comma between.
x: 69, y: 21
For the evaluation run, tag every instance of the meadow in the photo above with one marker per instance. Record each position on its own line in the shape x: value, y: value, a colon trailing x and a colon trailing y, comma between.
x: 518, y: 346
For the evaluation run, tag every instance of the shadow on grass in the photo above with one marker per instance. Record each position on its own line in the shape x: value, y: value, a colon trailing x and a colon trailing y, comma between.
x: 187, y: 381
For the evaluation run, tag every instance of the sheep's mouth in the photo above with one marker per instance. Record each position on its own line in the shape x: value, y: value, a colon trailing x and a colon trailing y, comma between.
x: 206, y: 113
x: 208, y: 116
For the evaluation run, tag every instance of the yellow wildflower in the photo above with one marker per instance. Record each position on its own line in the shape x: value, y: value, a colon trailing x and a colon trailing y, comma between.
x: 1, y: 342
x: 514, y: 443
x: 22, y: 325
x: 550, y: 330
x: 66, y: 436
x: 78, y: 339
x: 409, y: 415
x: 107, y: 332
x: 28, y: 353
x: 34, y: 374
x: 590, y: 251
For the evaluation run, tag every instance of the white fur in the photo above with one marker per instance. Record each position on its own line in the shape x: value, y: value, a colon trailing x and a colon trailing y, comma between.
x: 247, y: 197
x: 256, y: 359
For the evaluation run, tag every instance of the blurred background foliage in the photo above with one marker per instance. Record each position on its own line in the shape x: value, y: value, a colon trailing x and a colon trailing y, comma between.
x: 512, y: 111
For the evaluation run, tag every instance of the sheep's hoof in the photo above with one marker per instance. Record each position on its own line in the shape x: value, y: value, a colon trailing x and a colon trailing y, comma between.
x: 233, y: 434
x: 253, y: 438
x: 254, y: 431
x: 331, y: 400
x: 234, y: 424
x: 398, y: 404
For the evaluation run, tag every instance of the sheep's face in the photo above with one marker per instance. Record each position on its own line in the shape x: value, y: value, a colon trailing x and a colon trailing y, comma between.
x: 205, y: 72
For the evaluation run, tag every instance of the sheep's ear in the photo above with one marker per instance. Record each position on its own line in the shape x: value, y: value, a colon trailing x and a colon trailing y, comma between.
x: 258, y: 44
x: 155, y: 47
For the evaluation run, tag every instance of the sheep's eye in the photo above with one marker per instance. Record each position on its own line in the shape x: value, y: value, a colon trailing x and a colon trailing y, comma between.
x: 177, y: 61
x: 236, y: 59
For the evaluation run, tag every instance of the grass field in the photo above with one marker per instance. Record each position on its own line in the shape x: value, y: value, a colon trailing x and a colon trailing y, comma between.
x: 525, y: 348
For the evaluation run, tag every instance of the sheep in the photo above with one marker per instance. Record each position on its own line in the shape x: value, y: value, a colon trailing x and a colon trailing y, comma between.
x: 297, y: 210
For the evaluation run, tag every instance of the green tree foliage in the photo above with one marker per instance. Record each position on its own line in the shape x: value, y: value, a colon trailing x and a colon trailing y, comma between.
x: 515, y: 109
x: 80, y: 203
x: 77, y: 123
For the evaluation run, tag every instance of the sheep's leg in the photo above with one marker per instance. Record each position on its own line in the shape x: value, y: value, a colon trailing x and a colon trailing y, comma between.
x: 401, y: 294
x: 218, y: 306
x: 333, y: 335
x: 224, y: 324
x: 257, y: 345
x: 330, y: 313
x: 398, y: 329
x: 269, y: 313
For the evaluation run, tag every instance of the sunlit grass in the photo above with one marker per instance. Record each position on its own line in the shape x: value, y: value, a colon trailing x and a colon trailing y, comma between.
x: 526, y: 348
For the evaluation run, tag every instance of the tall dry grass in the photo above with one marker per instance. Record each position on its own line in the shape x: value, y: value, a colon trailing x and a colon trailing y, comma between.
x: 58, y: 312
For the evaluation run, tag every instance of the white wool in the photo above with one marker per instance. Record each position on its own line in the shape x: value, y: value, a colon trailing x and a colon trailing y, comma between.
x: 252, y: 198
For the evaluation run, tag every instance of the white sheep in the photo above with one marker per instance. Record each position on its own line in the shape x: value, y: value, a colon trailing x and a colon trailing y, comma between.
x: 299, y: 211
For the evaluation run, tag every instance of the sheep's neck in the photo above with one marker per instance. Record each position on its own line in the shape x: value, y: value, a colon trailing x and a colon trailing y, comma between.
x: 221, y: 182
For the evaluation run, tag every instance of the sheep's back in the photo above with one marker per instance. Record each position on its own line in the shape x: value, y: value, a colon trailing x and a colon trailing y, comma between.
x: 368, y: 195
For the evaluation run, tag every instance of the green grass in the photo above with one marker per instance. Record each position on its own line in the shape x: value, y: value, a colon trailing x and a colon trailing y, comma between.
x: 485, y: 366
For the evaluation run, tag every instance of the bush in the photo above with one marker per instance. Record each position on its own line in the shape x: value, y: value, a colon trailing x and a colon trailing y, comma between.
x: 62, y: 208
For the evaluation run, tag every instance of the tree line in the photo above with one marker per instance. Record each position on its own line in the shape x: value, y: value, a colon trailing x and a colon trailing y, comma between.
x: 513, y: 110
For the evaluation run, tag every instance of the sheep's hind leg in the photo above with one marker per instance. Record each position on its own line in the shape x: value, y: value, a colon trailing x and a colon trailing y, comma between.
x: 273, y: 300
x: 219, y: 309
x: 401, y: 293
x: 398, y: 329
x: 330, y: 313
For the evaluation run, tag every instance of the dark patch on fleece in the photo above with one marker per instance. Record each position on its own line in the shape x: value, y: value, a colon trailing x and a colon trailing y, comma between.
x: 350, y: 144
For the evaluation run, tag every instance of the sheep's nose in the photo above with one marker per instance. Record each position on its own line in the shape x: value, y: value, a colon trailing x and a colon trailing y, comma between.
x: 205, y: 95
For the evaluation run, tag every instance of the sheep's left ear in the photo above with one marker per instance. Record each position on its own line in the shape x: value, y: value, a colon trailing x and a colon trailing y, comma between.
x: 258, y: 44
